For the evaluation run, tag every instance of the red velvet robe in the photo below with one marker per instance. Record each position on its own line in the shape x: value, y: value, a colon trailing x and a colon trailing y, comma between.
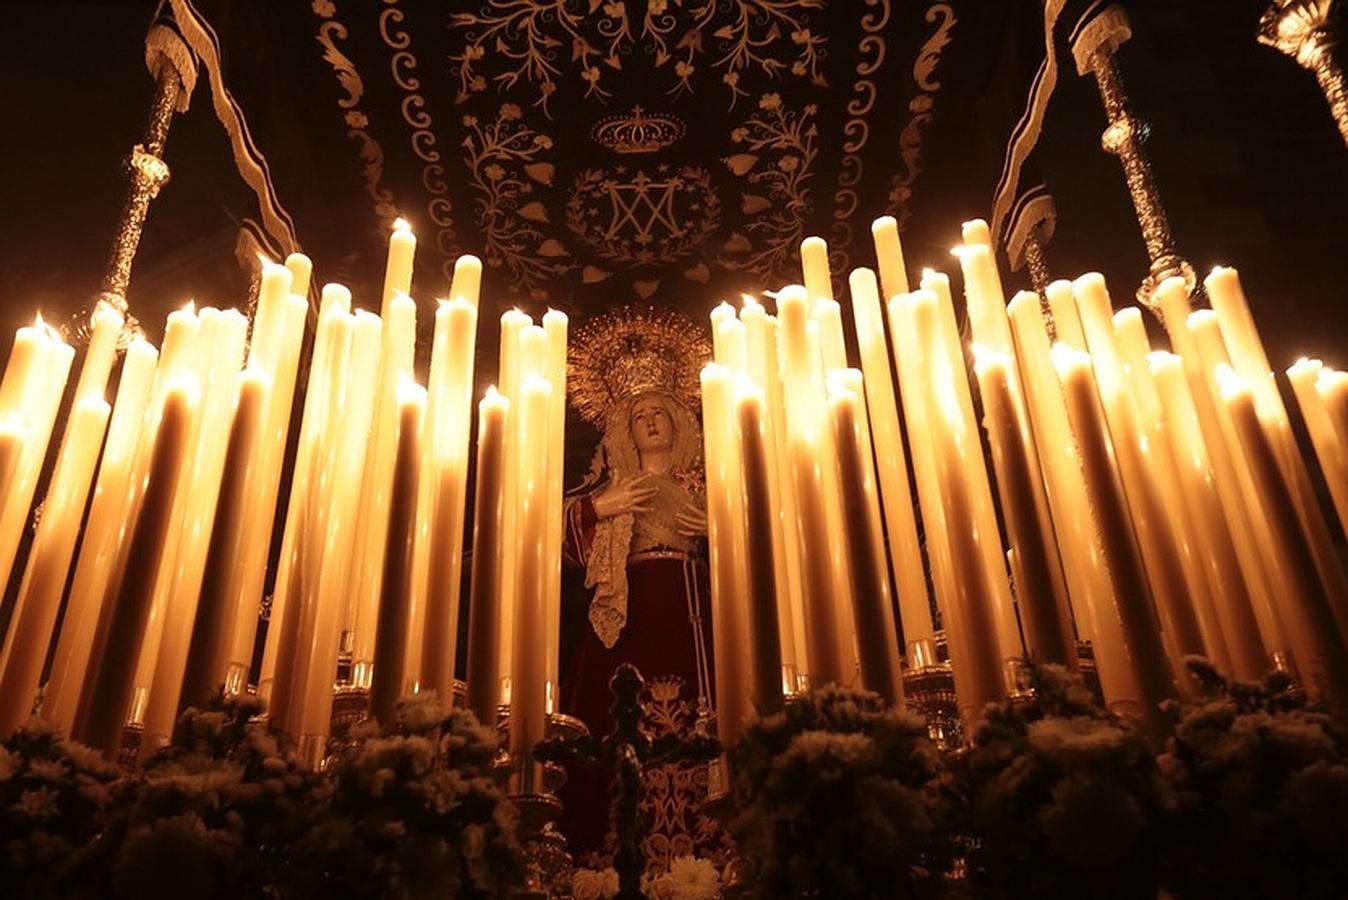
x: 668, y: 605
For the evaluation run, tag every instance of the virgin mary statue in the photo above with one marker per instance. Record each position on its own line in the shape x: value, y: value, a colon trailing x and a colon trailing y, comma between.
x: 636, y: 525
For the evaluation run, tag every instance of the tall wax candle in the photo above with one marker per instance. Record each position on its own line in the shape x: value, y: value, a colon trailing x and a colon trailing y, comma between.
x: 828, y: 658
x: 761, y: 340
x: 484, y: 597
x: 528, y: 701
x: 1043, y: 612
x: 399, y: 331
x: 889, y: 256
x: 450, y: 420
x: 891, y: 464
x: 1130, y: 337
x: 295, y: 591
x: 98, y: 549
x: 828, y: 313
x: 207, y: 659
x: 877, y: 638
x: 39, y: 416
x: 1132, y: 595
x: 991, y: 329
x: 730, y: 628
x: 1320, y: 652
x: 1216, y: 545
x: 764, y: 631
x: 1231, y: 481
x: 910, y: 360
x: 1329, y: 449
x: 1156, y: 537
x: 509, y: 377
x: 316, y: 667
x: 1062, y: 303
x: 301, y: 269
x: 105, y: 328
x: 977, y: 657
x: 1084, y: 567
x: 402, y: 248
x: 108, y: 685
x: 1247, y: 355
x: 554, y: 370
x: 976, y: 472
x: 39, y: 597
x: 24, y: 368
x: 814, y: 268
x: 1212, y: 355
x: 395, y: 591
x: 208, y: 464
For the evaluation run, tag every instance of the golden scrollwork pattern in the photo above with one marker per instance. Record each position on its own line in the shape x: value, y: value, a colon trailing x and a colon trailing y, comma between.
x: 402, y: 66
x: 942, y: 15
x: 330, y: 33
x: 871, y: 50
x: 506, y: 162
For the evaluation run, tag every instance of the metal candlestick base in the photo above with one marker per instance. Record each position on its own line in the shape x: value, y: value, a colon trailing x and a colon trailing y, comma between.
x: 547, y: 864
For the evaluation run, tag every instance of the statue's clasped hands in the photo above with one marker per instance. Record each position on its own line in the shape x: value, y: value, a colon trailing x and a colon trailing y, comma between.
x: 624, y: 494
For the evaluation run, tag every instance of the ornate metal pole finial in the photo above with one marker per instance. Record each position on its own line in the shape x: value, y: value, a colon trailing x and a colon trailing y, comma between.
x: 174, y: 70
x: 1311, y: 32
x: 1094, y: 49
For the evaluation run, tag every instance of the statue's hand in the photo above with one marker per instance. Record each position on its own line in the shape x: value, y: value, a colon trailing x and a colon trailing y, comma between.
x: 692, y: 522
x: 624, y: 494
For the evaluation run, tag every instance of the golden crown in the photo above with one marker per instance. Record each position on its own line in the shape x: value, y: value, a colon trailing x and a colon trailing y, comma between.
x: 637, y: 132
x: 630, y: 351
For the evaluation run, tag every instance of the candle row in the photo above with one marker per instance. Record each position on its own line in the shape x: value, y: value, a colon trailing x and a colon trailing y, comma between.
x: 1151, y: 503
x: 172, y: 566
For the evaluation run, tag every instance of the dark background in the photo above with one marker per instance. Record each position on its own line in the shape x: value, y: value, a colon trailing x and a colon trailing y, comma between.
x: 1249, y: 164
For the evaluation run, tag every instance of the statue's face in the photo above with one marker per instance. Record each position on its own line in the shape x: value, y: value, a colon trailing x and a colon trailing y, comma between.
x: 652, y: 427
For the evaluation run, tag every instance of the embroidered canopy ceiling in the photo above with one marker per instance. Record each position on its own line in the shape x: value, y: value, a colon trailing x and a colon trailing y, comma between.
x: 601, y: 152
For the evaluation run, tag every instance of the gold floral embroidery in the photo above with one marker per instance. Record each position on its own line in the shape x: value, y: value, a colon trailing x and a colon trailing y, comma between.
x: 503, y: 159
x: 779, y: 155
x: 528, y: 34
x: 674, y: 794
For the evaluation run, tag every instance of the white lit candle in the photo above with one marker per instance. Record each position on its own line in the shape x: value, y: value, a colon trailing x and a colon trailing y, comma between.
x: 395, y: 590
x: 1304, y: 376
x: 1320, y: 653
x: 39, y: 597
x: 109, y: 681
x: 892, y: 468
x: 484, y: 601
x: 1132, y: 596
x: 98, y: 549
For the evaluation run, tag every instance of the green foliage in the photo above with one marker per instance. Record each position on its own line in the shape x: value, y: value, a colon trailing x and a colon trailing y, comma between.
x: 416, y: 813
x: 1059, y: 798
x: 215, y: 812
x: 53, y: 794
x: 839, y: 796
x: 1261, y: 787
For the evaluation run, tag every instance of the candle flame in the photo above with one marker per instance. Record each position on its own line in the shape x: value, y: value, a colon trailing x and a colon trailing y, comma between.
x: 190, y: 307
x: 263, y: 260
x: 401, y: 224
